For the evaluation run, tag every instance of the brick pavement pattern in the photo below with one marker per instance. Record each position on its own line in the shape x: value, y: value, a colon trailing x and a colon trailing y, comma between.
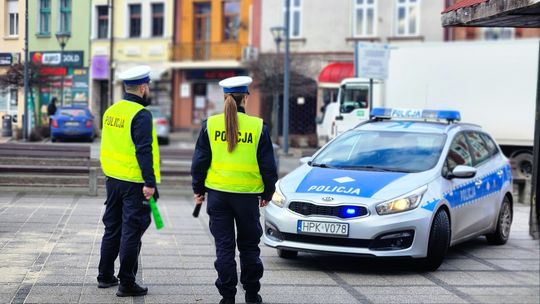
x: 50, y: 244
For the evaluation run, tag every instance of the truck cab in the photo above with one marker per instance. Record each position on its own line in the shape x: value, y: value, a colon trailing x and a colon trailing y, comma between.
x: 349, y: 109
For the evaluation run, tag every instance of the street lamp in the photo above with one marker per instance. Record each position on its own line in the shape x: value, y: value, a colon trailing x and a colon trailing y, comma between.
x: 62, y: 38
x: 277, y: 33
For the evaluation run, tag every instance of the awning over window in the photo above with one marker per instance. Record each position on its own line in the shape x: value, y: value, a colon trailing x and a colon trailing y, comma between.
x: 334, y: 73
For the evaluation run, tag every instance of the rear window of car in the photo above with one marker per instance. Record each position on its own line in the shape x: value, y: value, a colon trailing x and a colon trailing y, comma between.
x: 72, y: 112
x: 490, y: 144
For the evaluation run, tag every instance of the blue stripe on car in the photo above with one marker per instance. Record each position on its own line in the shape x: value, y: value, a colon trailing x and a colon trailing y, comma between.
x: 346, y: 182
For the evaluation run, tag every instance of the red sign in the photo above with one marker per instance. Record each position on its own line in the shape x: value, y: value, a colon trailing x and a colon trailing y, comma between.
x: 53, y: 71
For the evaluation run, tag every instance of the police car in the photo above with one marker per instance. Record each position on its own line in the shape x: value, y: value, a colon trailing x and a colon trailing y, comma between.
x: 406, y: 183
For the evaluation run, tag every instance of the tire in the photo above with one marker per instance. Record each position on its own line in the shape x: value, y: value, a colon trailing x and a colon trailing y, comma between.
x: 54, y: 139
x: 439, y: 240
x: 287, y: 254
x: 524, y: 165
x: 504, y: 222
x: 166, y: 141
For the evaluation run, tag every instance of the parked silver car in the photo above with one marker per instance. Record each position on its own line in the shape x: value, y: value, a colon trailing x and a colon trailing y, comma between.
x: 161, y: 123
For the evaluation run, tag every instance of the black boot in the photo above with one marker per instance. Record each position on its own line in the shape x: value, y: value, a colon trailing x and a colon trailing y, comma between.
x: 131, y: 291
x: 253, y: 298
x: 227, y: 301
x: 108, y: 282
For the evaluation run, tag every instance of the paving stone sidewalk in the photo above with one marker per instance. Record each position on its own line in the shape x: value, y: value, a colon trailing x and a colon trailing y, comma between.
x: 49, y: 252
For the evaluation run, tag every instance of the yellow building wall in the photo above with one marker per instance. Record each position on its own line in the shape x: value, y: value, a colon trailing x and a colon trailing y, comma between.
x: 13, y: 45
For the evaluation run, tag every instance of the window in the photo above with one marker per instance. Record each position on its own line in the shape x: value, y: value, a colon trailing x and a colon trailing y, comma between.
x: 134, y: 20
x: 490, y: 144
x: 4, y: 98
x: 13, y: 98
x: 497, y: 33
x: 65, y: 16
x: 102, y: 21
x: 13, y: 18
x: 231, y: 20
x: 157, y: 19
x: 354, y: 97
x: 383, y: 150
x: 408, y: 17
x: 44, y: 16
x: 295, y: 20
x: 478, y: 148
x: 365, y: 18
x: 458, y: 154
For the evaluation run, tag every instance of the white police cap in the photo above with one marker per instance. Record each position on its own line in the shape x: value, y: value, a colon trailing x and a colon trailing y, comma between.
x: 237, y: 84
x: 136, y: 75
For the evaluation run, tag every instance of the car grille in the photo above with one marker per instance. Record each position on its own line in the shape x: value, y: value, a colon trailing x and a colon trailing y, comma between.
x: 337, y: 211
x: 329, y: 241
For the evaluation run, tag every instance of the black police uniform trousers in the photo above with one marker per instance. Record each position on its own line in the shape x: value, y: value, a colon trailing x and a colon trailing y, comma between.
x: 126, y: 219
x: 226, y: 209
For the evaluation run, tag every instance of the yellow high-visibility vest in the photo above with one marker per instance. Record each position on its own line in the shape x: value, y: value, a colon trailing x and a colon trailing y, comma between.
x: 236, y: 171
x: 117, y: 156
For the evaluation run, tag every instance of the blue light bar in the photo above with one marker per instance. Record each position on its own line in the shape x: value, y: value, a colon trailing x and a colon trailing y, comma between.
x: 389, y: 113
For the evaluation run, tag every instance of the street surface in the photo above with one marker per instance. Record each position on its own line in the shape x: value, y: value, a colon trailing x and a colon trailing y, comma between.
x: 50, y: 244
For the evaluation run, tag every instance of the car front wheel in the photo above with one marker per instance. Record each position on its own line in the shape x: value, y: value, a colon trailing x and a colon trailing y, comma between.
x: 502, y: 232
x: 439, y: 239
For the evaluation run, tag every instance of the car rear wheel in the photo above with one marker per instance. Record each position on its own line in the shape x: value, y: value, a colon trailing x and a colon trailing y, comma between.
x: 54, y: 139
x: 439, y: 240
x: 287, y: 254
x: 502, y: 232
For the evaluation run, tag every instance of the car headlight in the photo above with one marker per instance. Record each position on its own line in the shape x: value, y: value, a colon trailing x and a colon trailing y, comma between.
x: 278, y: 198
x: 405, y: 203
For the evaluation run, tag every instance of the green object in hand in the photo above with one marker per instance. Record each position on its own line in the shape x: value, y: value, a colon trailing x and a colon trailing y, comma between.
x: 155, y: 213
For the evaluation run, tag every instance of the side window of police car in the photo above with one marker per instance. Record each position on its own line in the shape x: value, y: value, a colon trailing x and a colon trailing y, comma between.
x: 478, y: 147
x: 490, y: 144
x: 459, y: 154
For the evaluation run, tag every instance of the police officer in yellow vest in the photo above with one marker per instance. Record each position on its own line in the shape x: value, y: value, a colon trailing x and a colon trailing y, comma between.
x: 234, y: 163
x: 130, y: 160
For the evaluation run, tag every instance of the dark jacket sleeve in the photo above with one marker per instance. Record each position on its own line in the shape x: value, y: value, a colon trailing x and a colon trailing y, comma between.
x: 141, y: 134
x: 267, y: 164
x: 202, y: 157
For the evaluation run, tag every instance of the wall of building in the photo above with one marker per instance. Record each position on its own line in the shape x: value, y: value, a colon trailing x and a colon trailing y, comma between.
x: 80, y: 28
x: 155, y: 52
x: 327, y: 26
x: 15, y: 46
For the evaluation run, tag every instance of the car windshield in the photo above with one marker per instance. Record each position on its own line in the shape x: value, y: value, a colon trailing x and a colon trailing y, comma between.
x: 382, y: 151
x: 72, y: 112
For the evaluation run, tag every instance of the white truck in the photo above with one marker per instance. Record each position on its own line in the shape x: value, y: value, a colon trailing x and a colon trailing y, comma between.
x: 492, y: 84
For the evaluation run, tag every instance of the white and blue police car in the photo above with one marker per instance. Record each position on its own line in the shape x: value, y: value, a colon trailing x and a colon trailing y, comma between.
x: 406, y: 183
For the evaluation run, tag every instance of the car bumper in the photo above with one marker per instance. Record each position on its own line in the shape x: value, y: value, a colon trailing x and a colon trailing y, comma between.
x: 162, y: 131
x: 74, y: 133
x: 364, y: 233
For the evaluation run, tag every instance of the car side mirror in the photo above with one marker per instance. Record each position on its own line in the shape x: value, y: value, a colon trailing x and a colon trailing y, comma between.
x: 339, y: 117
x: 463, y: 172
x: 305, y: 160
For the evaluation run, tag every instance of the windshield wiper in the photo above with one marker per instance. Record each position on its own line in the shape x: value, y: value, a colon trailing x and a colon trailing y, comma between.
x: 321, y: 165
x: 373, y: 168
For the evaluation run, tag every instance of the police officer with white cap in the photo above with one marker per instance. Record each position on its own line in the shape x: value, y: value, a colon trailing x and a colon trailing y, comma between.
x: 130, y: 160
x: 234, y: 163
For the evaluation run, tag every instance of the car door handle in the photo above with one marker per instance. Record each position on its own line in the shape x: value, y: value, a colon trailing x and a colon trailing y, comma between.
x: 478, y: 183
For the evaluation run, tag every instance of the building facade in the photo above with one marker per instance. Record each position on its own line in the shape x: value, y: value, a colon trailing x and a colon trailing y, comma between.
x: 323, y: 35
x: 213, y: 40
x: 143, y: 32
x: 62, y: 72
x: 11, y: 53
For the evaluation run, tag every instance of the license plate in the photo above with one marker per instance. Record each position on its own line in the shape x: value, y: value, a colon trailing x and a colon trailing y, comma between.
x: 328, y: 228
x: 72, y: 124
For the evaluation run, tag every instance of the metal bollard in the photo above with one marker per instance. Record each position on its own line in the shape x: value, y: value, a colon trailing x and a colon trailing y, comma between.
x: 92, y: 182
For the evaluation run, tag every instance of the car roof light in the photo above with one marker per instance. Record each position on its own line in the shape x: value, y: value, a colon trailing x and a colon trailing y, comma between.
x: 415, y: 114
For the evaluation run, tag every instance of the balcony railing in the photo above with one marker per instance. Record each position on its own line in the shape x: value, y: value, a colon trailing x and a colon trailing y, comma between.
x: 207, y: 51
